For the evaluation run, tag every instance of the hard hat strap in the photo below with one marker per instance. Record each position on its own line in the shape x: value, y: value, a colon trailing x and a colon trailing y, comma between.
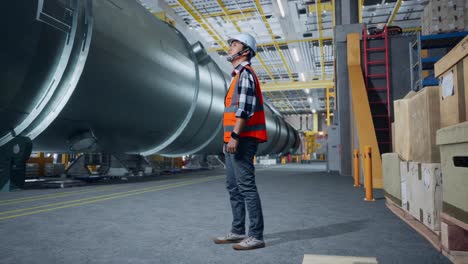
x: 238, y: 54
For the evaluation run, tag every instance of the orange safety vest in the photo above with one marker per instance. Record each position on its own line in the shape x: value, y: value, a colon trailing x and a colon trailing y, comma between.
x: 255, y: 126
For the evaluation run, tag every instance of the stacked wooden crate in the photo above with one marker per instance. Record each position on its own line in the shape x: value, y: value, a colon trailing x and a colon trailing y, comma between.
x: 431, y: 142
x: 416, y: 161
x: 452, y: 139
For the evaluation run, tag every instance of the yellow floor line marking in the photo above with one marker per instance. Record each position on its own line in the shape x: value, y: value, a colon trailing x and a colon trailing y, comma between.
x: 55, y: 195
x: 89, y: 198
x: 63, y: 194
x: 118, y: 195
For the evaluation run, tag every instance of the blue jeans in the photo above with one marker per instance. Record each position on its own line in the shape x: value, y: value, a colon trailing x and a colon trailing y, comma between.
x: 240, y: 183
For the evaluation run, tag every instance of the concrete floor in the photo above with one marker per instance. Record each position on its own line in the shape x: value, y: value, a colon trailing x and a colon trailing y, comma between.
x: 172, y: 220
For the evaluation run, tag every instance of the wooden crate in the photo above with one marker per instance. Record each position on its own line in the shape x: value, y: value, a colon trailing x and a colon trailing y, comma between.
x: 402, y: 134
x: 392, y: 177
x: 452, y: 70
x: 424, y: 119
x: 453, y: 142
x: 418, y: 114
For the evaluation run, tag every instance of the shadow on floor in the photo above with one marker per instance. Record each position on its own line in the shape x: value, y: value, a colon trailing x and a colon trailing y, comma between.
x: 315, y: 232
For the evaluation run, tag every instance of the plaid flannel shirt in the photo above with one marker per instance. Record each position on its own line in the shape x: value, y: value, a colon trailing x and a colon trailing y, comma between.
x: 246, y: 91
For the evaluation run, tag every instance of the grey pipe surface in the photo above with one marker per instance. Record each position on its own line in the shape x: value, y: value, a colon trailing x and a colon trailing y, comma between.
x: 107, y: 76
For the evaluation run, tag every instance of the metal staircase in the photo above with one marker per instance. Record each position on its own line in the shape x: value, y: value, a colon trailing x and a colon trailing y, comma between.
x: 377, y: 79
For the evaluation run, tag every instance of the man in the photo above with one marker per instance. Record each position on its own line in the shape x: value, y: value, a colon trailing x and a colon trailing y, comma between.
x: 244, y: 129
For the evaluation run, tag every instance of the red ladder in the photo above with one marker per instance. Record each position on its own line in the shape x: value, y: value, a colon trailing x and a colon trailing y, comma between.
x: 378, y: 86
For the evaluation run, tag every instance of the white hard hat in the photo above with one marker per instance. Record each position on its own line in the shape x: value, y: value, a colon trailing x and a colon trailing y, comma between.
x: 246, y: 39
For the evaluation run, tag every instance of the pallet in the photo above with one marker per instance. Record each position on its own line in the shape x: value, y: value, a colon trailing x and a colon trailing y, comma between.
x: 455, y: 238
x: 434, y: 237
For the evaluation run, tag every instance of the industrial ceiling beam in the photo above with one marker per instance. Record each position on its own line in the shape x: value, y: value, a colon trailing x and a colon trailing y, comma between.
x: 290, y: 105
x: 394, y: 12
x: 223, y: 7
x: 415, y: 29
x: 199, y: 18
x: 333, y: 15
x: 319, y: 84
x: 270, y: 31
x: 260, y: 59
x: 360, y: 7
x: 273, y: 99
x: 231, y: 12
x: 269, y: 44
x: 318, y: 12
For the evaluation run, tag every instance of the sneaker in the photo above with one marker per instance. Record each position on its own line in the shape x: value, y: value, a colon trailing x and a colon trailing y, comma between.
x: 229, y: 238
x: 249, y: 243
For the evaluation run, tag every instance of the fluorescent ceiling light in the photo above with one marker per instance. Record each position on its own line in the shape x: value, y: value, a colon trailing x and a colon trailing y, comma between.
x: 303, y: 77
x: 314, y: 111
x: 306, y: 91
x: 280, y: 5
x: 296, y: 57
x: 310, y: 99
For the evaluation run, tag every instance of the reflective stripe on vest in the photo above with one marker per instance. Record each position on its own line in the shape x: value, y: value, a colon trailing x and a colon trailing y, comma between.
x: 255, y: 126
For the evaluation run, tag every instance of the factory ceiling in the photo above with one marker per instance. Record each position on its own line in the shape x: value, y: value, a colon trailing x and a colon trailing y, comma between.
x: 295, y: 60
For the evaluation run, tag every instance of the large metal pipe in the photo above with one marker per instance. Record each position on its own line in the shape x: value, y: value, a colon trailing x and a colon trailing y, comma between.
x: 107, y: 76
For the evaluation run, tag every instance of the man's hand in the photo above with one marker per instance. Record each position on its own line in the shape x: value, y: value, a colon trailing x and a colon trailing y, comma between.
x: 231, y: 146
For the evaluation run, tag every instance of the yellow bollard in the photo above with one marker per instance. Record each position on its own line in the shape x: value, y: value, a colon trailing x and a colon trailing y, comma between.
x: 368, y: 174
x: 356, y: 169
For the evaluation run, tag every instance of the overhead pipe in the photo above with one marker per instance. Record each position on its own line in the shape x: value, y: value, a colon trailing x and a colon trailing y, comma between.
x: 78, y: 80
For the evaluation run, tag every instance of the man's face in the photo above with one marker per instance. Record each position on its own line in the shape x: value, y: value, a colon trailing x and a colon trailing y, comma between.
x: 235, y: 47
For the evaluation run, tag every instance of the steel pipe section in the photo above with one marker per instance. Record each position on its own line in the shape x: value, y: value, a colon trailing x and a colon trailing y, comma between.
x: 107, y: 76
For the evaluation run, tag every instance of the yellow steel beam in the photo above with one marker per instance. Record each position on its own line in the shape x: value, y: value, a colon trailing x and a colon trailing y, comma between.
x: 394, y: 12
x: 240, y: 17
x: 315, y: 127
x: 221, y: 4
x: 333, y: 15
x: 324, y: 6
x: 276, y: 99
x: 231, y: 12
x: 266, y: 68
x: 319, y: 24
x: 320, y: 84
x: 262, y: 14
x: 361, y: 108
x: 360, y: 7
x: 269, y: 44
x: 290, y: 106
x: 223, y: 7
x: 414, y: 29
x: 163, y: 16
x: 198, y: 17
x: 299, y: 95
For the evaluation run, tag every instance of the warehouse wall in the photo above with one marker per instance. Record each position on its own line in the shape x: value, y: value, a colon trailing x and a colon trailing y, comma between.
x: 343, y: 97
